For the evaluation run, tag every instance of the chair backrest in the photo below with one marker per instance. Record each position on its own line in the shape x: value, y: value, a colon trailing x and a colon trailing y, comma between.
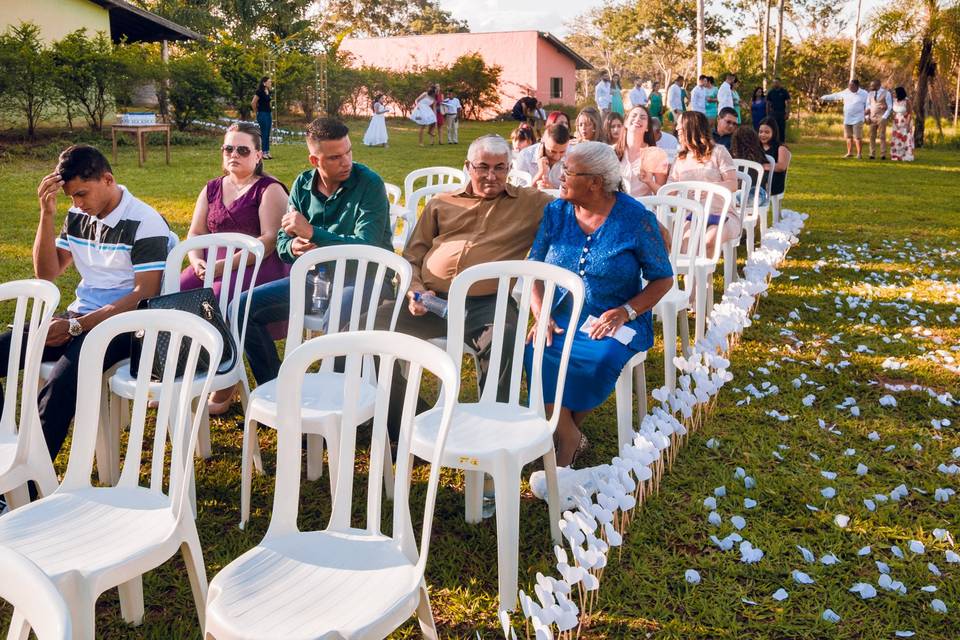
x: 520, y: 178
x: 235, y: 246
x: 394, y: 193
x: 771, y: 161
x: 34, y: 597
x: 390, y: 348
x: 35, y: 301
x: 750, y: 199
x: 744, y: 191
x: 512, y: 339
x: 687, y: 237
x: 430, y: 176
x: 355, y: 260
x: 707, y: 194
x: 415, y: 201
x: 172, y: 393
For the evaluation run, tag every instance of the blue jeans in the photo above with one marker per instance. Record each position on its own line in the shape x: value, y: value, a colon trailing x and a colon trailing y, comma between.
x: 265, y: 122
x: 271, y: 303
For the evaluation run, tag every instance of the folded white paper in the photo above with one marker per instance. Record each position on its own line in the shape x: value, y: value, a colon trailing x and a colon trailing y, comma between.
x: 622, y: 335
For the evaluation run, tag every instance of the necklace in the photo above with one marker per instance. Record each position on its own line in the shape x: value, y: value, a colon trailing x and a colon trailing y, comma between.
x: 242, y: 188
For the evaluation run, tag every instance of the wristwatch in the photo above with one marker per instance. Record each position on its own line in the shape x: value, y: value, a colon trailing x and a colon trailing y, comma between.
x: 631, y: 314
x: 75, y: 328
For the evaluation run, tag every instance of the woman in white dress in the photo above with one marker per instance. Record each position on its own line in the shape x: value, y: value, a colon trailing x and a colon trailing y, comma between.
x: 424, y: 115
x: 376, y: 135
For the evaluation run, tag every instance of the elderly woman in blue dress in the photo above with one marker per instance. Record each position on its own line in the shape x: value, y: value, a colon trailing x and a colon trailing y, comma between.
x: 614, y: 243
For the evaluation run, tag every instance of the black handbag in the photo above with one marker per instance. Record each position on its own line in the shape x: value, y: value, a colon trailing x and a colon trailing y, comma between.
x: 199, y: 302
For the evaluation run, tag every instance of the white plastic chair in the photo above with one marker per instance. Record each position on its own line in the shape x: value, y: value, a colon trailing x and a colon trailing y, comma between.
x: 520, y: 178
x: 776, y: 202
x: 89, y: 539
x: 769, y: 187
x: 499, y: 438
x: 344, y: 581
x: 744, y: 188
x: 430, y: 176
x: 23, y: 452
x: 406, y: 219
x: 124, y: 385
x: 322, y: 392
x: 36, y: 602
x: 706, y: 261
x: 552, y: 192
x: 398, y: 213
x: 750, y: 204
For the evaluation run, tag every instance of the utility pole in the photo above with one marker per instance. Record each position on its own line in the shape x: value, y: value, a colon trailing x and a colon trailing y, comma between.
x: 700, y: 37
x: 856, y: 41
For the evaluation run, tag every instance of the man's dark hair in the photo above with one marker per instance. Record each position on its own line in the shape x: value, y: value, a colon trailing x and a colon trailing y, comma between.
x: 323, y: 129
x: 854, y: 81
x: 727, y: 111
x: 703, y: 77
x: 84, y: 162
x: 558, y: 133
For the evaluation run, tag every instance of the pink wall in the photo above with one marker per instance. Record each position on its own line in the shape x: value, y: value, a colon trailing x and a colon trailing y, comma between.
x: 527, y: 60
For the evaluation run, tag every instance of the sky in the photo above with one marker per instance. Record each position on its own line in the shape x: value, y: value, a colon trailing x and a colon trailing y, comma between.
x: 514, y: 15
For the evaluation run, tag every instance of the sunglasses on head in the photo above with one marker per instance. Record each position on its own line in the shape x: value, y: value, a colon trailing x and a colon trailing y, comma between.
x: 242, y: 150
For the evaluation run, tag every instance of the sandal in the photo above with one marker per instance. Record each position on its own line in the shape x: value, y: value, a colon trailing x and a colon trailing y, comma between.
x: 581, y: 447
x: 219, y: 408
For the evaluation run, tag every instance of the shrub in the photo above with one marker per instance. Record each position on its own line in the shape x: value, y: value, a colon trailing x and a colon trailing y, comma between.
x: 195, y: 89
x: 86, y: 70
x: 241, y: 70
x: 27, y: 65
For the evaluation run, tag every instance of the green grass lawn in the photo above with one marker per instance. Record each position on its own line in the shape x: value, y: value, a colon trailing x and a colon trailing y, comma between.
x: 879, y: 235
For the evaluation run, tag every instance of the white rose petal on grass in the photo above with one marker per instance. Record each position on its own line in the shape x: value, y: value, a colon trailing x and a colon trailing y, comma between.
x: 864, y: 551
x: 888, y: 401
x: 934, y: 569
x: 904, y: 634
x: 937, y: 605
x: 829, y: 475
x: 710, y: 503
x: 895, y: 550
x: 952, y: 557
x: 829, y: 559
x: 862, y: 469
x: 739, y: 522
x: 780, y: 594
x: 808, y: 556
x: 714, y: 518
x: 864, y: 589
x: 882, y: 567
x: 692, y: 576
x: 749, y: 503
x: 801, y: 578
x: 869, y: 504
x: 841, y: 520
x: 830, y: 616
x: 713, y: 443
x: 873, y: 436
x: 917, y: 547
x: 929, y: 589
x: 720, y: 491
x: 828, y: 492
x: 749, y: 554
x: 808, y: 400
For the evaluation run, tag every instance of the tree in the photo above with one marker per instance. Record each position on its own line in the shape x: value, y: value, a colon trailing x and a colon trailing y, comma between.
x: 240, y: 67
x: 28, y: 69
x: 778, y: 40
x: 856, y: 42
x: 86, y: 71
x: 375, y: 18
x: 195, y: 89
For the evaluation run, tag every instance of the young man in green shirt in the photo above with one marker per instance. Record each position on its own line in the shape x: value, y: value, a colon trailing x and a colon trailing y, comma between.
x: 336, y: 202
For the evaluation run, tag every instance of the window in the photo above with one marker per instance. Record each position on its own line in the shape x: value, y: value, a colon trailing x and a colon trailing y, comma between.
x: 556, y: 88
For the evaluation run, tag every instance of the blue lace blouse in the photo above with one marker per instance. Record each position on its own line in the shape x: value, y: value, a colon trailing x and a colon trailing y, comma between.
x: 611, y: 261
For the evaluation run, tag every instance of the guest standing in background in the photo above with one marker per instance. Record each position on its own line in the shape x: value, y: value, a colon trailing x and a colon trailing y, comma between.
x: 264, y: 110
x: 616, y: 95
x: 758, y: 108
x: 424, y: 115
x: 778, y: 107
x: 612, y: 129
x: 453, y: 109
x: 656, y: 101
x: 901, y: 136
x: 376, y: 135
x: 712, y: 103
x: 879, y: 108
x: 602, y: 93
x: 637, y: 96
x: 854, y: 114
x: 439, y: 111
x: 675, y: 99
x: 736, y: 100
x: 698, y: 96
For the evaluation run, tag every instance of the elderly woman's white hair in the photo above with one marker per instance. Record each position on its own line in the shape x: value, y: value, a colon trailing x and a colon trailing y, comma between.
x: 491, y: 144
x: 599, y: 159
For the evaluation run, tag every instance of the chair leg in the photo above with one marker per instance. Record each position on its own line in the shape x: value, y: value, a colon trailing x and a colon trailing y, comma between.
x: 684, y: 324
x: 102, y: 449
x: 640, y: 388
x: 425, y: 615
x: 624, y: 398
x: 17, y: 497
x: 131, y: 601
x: 246, y: 473
x: 670, y: 349
x: 506, y: 482
x: 750, y: 240
x: 19, y: 627
x: 333, y: 459
x: 388, y: 477
x: 315, y: 457
x: 700, y: 302
x: 473, y: 496
x: 83, y: 609
x: 204, y: 450
x: 553, y: 495
x: 197, y: 573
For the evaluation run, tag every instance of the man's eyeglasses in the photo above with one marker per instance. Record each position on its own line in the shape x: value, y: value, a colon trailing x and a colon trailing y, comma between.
x: 566, y: 172
x: 484, y: 169
x: 242, y: 150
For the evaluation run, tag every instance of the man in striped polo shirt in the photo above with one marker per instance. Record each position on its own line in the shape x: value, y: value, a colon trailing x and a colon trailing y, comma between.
x: 118, y: 244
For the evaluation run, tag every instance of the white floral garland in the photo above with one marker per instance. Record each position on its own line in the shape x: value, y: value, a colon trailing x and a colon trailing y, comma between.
x: 606, y: 495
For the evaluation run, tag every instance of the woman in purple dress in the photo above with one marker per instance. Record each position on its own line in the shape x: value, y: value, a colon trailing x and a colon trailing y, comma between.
x: 243, y: 200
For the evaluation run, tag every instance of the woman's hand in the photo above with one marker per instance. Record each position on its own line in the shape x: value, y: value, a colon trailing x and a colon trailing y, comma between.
x: 199, y: 267
x: 552, y: 328
x: 218, y: 268
x: 608, y: 323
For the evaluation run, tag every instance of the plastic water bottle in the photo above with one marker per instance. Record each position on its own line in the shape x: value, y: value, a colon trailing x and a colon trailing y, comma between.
x: 434, y: 304
x: 320, y: 299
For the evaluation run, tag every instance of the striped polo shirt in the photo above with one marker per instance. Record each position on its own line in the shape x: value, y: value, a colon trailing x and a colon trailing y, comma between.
x: 109, y: 251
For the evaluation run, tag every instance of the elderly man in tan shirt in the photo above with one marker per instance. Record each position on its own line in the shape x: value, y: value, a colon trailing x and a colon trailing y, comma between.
x: 488, y: 220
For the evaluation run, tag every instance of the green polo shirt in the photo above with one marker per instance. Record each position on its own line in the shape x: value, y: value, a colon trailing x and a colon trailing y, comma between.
x: 356, y: 213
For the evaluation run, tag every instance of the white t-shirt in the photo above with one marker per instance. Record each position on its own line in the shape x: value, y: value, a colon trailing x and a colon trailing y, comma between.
x: 528, y: 160
x: 451, y: 106
x: 698, y: 99
x: 668, y: 142
x: 724, y: 96
x: 675, y: 98
x: 854, y: 104
x: 638, y: 97
x: 602, y: 95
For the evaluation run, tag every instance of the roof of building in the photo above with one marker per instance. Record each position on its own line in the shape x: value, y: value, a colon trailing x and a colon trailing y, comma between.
x: 579, y: 61
x: 133, y: 24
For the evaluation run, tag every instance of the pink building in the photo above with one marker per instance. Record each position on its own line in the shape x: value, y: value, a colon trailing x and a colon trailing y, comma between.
x: 533, y: 62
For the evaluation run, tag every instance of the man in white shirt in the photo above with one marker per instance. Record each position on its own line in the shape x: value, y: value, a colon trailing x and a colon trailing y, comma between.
x: 666, y: 141
x: 854, y: 113
x: 725, y: 92
x: 638, y: 97
x: 698, y: 97
x: 451, y: 114
x: 879, y: 108
x: 603, y: 94
x: 543, y: 161
x: 675, y: 98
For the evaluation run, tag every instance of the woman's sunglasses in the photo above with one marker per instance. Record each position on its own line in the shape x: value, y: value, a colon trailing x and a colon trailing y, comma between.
x: 242, y: 151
